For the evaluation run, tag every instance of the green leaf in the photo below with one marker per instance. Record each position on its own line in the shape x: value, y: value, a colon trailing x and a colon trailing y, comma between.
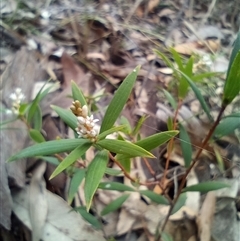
x: 139, y: 125
x: 110, y: 131
x: 50, y: 159
x: 95, y: 172
x: 170, y: 99
x: 71, y: 158
x: 124, y: 121
x: 36, y: 136
x: 67, y: 116
x: 198, y: 95
x: 114, y: 205
x: 180, y: 203
x: 185, y: 145
x: 34, y: 105
x: 37, y: 118
x: 177, y: 58
x: 120, y: 98
x: 165, y: 59
x: 205, y: 187
x: 74, y: 184
x: 49, y: 148
x: 117, y: 186
x: 200, y: 77
x: 89, y: 217
x: 77, y: 94
x: 227, y: 126
x: 159, y: 199
x: 170, y: 124
x: 188, y: 70
x: 232, y: 83
x: 112, y: 172
x: 235, y: 51
x: 124, y: 147
x: 156, y: 140
x: 166, y: 237
x: 124, y: 161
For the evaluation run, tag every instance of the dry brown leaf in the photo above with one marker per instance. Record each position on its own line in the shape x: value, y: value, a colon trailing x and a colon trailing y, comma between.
x: 206, y: 216
x: 71, y: 71
x: 61, y: 223
x: 96, y: 56
x: 38, y: 206
x: 187, y: 48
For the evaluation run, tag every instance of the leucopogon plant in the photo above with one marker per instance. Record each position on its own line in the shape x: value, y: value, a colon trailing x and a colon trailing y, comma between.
x: 122, y: 150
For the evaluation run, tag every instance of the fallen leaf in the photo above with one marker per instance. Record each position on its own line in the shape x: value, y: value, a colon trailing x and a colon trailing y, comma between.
x: 38, y: 198
x: 61, y: 224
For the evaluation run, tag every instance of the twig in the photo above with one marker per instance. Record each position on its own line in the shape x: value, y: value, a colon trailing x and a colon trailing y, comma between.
x: 210, y: 133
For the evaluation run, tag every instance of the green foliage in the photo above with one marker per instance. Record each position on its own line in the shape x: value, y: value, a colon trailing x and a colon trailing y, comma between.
x: 121, y: 150
x: 95, y: 172
x: 114, y: 205
x: 180, y: 202
x: 155, y: 197
x: 74, y: 184
x: 205, y: 187
x: 120, y: 98
x: 67, y: 116
x: 227, y: 125
x: 36, y: 136
x: 49, y: 148
x: 89, y: 217
x: 232, y: 84
x: 185, y: 146
x: 124, y: 147
x: 115, y: 186
x: 71, y: 158
x: 77, y: 94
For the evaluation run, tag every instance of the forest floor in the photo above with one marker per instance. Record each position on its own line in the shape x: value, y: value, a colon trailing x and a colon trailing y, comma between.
x: 97, y: 44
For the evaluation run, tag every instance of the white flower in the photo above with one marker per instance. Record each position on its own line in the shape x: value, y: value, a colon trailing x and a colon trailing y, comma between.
x: 17, y: 98
x: 84, y: 111
x: 86, y: 125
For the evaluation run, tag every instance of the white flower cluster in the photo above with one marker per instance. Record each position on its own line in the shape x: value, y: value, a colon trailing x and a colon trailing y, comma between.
x: 86, y: 125
x: 17, y: 97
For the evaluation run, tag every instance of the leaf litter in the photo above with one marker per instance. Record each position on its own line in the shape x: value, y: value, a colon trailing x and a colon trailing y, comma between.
x: 97, y: 44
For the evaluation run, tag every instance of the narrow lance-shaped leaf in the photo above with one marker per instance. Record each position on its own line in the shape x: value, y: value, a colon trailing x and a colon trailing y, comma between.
x: 37, y: 118
x: 119, y: 100
x: 95, y: 172
x: 67, y: 116
x: 180, y: 203
x: 153, y: 141
x: 113, y: 172
x: 114, y: 205
x: 40, y: 95
x: 124, y: 147
x: 77, y: 94
x: 159, y: 199
x: 227, y: 126
x: 110, y: 131
x: 89, y: 217
x: 48, y: 148
x: 75, y: 182
x: 170, y: 99
x: 36, y: 136
x: 185, y: 146
x: 198, y: 95
x: 235, y: 50
x: 71, y: 158
x: 206, y: 187
x: 117, y: 186
x: 232, y: 83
